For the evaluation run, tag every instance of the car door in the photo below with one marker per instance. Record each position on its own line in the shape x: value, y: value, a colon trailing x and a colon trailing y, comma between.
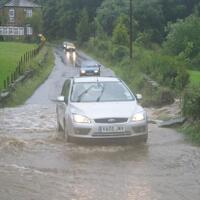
x: 63, y: 105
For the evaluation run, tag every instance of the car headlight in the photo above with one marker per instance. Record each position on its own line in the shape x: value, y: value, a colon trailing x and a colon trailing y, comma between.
x: 138, y: 117
x: 82, y: 71
x: 81, y: 119
x: 96, y: 71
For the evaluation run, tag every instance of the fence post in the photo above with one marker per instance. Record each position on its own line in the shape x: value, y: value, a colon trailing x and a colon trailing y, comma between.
x: 15, y: 73
x: 11, y: 77
x: 4, y: 83
x: 18, y: 68
x: 8, y: 81
x: 24, y: 58
x: 29, y: 55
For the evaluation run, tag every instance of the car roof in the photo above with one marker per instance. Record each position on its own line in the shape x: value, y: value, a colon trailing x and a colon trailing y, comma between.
x: 69, y: 43
x: 88, y: 62
x: 95, y: 79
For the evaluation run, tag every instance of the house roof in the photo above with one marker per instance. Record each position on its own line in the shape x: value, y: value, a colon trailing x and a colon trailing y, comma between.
x: 21, y: 3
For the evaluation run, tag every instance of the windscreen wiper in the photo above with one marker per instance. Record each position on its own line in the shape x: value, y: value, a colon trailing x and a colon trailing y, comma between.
x: 84, y: 92
x: 99, y: 97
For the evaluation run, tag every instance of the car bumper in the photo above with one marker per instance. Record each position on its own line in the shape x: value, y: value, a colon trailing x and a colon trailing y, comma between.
x: 90, y: 132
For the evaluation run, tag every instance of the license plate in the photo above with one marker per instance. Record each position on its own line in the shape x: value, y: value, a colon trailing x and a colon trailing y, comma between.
x: 109, y: 129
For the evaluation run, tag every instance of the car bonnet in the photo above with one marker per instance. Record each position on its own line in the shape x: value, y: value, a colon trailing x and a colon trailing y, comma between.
x: 96, y: 110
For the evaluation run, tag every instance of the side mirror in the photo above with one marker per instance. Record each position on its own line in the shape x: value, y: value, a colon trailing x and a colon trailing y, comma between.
x: 61, y: 99
x: 138, y: 96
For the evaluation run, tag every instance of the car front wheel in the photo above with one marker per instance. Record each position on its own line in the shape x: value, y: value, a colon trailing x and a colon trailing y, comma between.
x: 66, y: 136
x: 59, y: 127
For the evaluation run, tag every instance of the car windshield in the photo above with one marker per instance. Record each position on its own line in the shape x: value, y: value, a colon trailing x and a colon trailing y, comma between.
x: 89, y: 66
x: 100, y: 92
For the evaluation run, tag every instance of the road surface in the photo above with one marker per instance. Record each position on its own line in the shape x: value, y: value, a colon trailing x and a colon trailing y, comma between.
x: 36, y: 164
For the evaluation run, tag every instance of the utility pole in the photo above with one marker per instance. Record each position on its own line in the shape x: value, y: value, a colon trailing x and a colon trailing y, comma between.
x: 131, y: 28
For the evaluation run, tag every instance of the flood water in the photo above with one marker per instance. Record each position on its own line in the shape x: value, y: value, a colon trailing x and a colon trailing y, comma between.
x: 36, y: 164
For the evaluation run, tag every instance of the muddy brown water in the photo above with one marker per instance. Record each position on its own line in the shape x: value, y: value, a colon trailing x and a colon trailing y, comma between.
x: 36, y: 164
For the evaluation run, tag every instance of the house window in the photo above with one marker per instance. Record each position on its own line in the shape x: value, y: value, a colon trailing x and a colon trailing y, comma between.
x: 11, y: 13
x: 10, y: 30
x: 28, y: 12
x: 29, y: 30
x: 5, y: 31
x: 21, y: 31
x: 16, y: 31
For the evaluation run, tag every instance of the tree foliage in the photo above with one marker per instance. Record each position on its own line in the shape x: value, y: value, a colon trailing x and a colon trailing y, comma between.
x: 183, y: 38
x: 191, y: 102
x: 120, y: 33
x: 109, y: 11
x: 83, y: 27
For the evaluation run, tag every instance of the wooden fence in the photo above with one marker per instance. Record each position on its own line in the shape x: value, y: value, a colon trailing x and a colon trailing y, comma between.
x: 20, y: 68
x: 20, y: 74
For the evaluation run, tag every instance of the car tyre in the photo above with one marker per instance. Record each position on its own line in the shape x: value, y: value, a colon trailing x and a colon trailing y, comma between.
x: 66, y: 136
x: 145, y: 139
x: 59, y: 127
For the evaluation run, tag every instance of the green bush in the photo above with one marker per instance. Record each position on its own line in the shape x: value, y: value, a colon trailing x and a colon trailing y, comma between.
x: 192, y: 131
x: 183, y: 38
x: 191, y: 102
x: 157, y: 97
x: 119, y: 52
x: 166, y: 70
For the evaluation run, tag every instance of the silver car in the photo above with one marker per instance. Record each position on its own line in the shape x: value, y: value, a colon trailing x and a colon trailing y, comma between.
x: 100, y: 108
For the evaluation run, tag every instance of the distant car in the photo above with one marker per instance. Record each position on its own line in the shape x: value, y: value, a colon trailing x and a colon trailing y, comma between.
x: 70, y: 51
x: 90, y: 68
x: 69, y: 47
x: 100, y: 108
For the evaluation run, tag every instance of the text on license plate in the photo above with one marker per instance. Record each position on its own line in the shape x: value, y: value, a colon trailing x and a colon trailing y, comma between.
x: 108, y: 129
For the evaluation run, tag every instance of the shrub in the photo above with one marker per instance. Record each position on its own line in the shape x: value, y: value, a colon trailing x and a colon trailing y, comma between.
x: 157, y: 96
x: 119, y: 52
x: 165, y: 96
x: 191, y: 102
x: 183, y: 38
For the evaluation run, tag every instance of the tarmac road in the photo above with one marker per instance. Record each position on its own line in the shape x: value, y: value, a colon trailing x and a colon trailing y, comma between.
x: 35, y: 164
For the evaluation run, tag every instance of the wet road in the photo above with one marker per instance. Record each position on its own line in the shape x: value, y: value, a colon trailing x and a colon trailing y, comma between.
x: 35, y: 164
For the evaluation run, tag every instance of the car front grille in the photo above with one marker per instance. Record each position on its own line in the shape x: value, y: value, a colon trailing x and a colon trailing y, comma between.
x: 112, y: 134
x: 111, y: 120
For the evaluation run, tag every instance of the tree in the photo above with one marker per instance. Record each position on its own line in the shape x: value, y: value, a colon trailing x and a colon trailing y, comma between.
x: 183, y: 38
x: 150, y: 18
x: 83, y: 27
x: 36, y: 22
x: 109, y: 11
x: 120, y: 33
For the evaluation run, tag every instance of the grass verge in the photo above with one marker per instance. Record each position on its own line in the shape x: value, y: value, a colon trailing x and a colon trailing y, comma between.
x: 192, y: 132
x: 194, y: 77
x: 25, y: 89
x: 10, y: 54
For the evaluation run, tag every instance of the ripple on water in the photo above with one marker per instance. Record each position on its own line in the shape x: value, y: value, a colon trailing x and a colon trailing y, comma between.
x: 11, y: 144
